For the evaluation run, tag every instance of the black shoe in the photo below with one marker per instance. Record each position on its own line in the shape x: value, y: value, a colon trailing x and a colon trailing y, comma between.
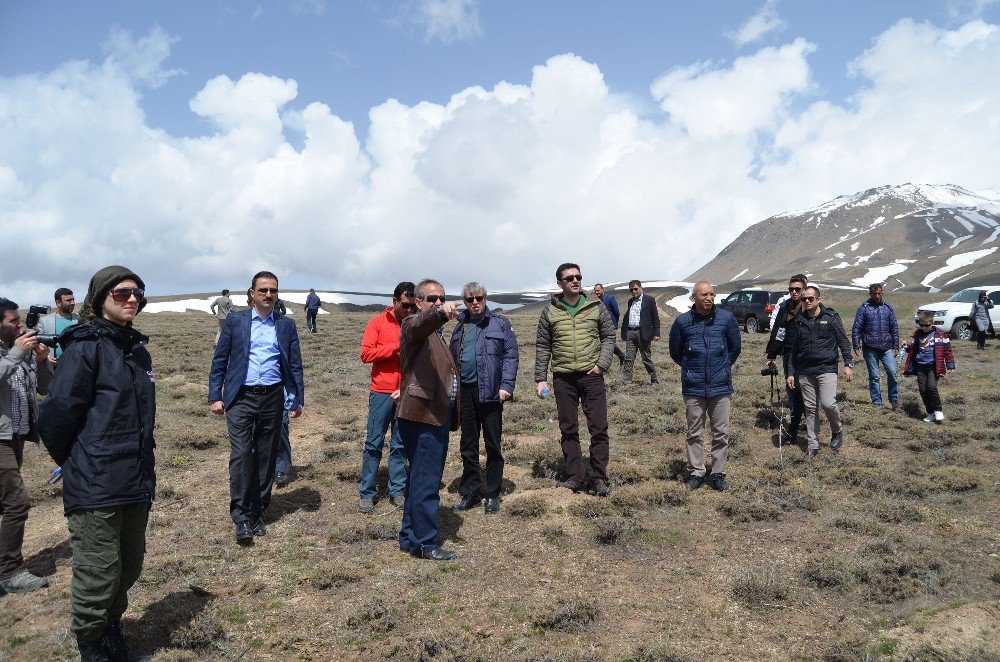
x: 437, y: 554
x: 719, y: 482
x: 93, y: 651
x: 602, y: 489
x: 468, y: 502
x: 695, y: 482
x: 259, y: 528
x: 244, y: 533
x: 281, y: 479
x: 492, y: 505
x: 654, y: 380
x: 118, y: 650
x: 571, y: 485
x: 813, y: 452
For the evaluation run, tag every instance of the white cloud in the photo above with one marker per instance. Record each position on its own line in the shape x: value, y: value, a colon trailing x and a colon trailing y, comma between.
x: 764, y: 22
x: 498, y: 185
x: 447, y: 20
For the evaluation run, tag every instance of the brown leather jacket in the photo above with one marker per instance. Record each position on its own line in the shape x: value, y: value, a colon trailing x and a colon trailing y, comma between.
x: 428, y: 371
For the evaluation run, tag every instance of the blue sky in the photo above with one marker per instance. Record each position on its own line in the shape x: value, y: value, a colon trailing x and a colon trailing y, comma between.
x: 199, y: 123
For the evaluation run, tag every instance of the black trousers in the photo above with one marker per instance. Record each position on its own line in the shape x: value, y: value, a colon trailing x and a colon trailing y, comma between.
x: 575, y: 390
x: 927, y: 385
x: 254, y: 421
x: 486, y: 417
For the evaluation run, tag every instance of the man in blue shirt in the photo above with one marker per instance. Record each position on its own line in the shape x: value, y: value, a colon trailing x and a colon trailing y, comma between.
x: 256, y: 360
x: 611, y: 303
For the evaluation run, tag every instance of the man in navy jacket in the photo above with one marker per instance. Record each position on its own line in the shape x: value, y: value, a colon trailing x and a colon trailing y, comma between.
x: 256, y: 360
x: 484, y: 347
x: 705, y: 343
x: 876, y: 334
x: 611, y: 303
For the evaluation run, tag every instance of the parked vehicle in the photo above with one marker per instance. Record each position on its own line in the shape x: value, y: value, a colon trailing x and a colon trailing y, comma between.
x: 752, y: 308
x: 953, y: 314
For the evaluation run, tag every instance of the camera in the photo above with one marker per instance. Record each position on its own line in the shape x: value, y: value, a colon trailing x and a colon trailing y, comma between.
x: 771, y: 370
x: 31, y: 321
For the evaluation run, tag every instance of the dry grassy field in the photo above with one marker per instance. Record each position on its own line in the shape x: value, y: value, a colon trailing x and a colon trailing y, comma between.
x: 887, y: 550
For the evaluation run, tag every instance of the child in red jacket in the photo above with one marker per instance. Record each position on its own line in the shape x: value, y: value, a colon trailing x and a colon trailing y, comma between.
x: 929, y: 357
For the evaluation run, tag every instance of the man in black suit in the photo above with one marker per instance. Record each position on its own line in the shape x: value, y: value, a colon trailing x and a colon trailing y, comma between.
x: 640, y: 328
x: 256, y: 360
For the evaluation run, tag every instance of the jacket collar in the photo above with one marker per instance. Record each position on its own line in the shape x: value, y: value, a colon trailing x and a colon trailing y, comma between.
x: 696, y: 315
x: 466, y: 317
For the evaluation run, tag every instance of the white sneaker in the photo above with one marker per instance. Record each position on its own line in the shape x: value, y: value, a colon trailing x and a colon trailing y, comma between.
x: 939, y: 416
x: 929, y: 418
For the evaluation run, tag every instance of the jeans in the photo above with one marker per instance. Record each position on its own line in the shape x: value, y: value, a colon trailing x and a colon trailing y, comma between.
x: 980, y: 340
x: 283, y: 461
x: 573, y: 390
x: 426, y: 448
x: 311, y: 320
x: 381, y: 414
x: 887, y: 357
x: 488, y: 417
x: 797, y: 407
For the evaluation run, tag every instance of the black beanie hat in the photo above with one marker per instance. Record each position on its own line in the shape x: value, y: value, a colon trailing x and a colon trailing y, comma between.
x: 102, y: 283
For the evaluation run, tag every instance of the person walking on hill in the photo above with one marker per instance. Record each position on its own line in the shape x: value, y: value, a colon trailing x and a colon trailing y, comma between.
x: 611, y: 303
x: 705, y: 342
x: 312, y: 309
x: 578, y: 337
x: 484, y: 347
x: 876, y: 334
x: 221, y: 308
x: 930, y: 358
x: 380, y: 347
x: 787, y: 311
x: 980, y: 314
x: 429, y: 402
x: 814, y: 338
x: 640, y: 328
x: 97, y: 424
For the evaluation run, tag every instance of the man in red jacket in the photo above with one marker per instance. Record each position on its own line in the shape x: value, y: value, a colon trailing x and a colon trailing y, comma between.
x: 380, y: 347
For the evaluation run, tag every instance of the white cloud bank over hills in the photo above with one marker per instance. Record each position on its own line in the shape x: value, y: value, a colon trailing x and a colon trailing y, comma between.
x: 497, y: 185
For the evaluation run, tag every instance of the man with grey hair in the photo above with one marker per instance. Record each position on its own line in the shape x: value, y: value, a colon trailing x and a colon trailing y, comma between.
x: 484, y: 348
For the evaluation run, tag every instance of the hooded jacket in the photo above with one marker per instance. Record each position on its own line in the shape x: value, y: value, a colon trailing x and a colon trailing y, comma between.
x: 705, y: 347
x: 97, y: 422
x: 496, y: 353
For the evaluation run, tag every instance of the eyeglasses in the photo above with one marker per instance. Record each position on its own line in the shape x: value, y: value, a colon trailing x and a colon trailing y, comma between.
x: 122, y: 294
x: 571, y: 278
x: 794, y: 289
x: 477, y: 299
x: 267, y: 290
x: 434, y: 298
x: 407, y: 306
x: 808, y: 299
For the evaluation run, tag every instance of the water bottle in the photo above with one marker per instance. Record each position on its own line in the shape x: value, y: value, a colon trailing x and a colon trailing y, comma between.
x: 545, y: 392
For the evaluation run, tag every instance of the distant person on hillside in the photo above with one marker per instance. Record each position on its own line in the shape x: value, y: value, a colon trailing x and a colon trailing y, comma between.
x: 380, y: 347
x: 98, y: 424
x: 788, y: 309
x: 429, y: 402
x: 929, y: 357
x: 61, y: 318
x: 876, y: 334
x: 611, y: 303
x: 640, y: 328
x: 577, y: 335
x: 312, y: 309
x: 256, y: 361
x: 980, y: 315
x: 484, y: 348
x: 814, y: 338
x: 705, y: 342
x: 221, y: 308
x: 279, y: 308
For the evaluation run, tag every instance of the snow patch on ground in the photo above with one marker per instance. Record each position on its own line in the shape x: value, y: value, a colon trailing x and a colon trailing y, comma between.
x: 959, y: 240
x: 855, y: 246
x: 204, y: 305
x: 880, y: 274
x: 958, y: 278
x: 954, y: 263
x: 739, y: 274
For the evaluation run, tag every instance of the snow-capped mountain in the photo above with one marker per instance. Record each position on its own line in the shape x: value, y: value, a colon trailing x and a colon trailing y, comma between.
x: 912, y: 236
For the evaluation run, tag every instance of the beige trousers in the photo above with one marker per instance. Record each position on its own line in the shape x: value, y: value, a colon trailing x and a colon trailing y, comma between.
x: 717, y: 409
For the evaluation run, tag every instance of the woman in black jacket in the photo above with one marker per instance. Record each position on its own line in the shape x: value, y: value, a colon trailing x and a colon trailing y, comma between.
x: 97, y: 424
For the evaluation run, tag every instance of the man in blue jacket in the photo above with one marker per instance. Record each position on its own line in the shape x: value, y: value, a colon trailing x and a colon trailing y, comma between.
x: 256, y: 360
x: 484, y: 347
x: 876, y: 334
x: 611, y: 303
x: 312, y: 309
x: 705, y: 343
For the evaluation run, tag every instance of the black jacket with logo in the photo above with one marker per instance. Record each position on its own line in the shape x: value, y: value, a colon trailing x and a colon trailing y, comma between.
x: 813, y: 343
x: 97, y: 421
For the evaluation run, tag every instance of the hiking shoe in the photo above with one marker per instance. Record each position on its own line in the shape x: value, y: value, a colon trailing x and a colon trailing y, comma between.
x: 281, y: 479
x: 366, y: 506
x: 929, y: 418
x: 114, y: 644
x: 894, y: 406
x: 259, y: 528
x: 602, y: 489
x: 813, y: 452
x: 838, y: 440
x: 938, y: 416
x: 399, y: 500
x: 694, y: 482
x: 571, y: 485
x: 719, y: 482
x: 23, y: 582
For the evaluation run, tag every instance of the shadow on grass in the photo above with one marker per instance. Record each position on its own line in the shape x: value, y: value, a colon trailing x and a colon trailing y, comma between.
x: 303, y: 498
x: 451, y: 522
x: 45, y: 561
x: 507, y: 486
x: 164, y: 618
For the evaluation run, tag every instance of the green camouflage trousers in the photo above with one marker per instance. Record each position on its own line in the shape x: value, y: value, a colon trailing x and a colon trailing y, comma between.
x: 108, y: 546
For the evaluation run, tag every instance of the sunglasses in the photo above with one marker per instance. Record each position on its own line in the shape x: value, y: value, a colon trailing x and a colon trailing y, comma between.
x: 794, y: 289
x: 926, y: 326
x: 477, y: 299
x: 576, y: 277
x: 267, y: 290
x: 407, y: 306
x: 633, y: 289
x: 434, y: 298
x: 122, y: 294
x: 808, y: 299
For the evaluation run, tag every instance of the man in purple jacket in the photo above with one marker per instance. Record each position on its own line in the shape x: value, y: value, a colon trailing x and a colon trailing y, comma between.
x: 876, y: 335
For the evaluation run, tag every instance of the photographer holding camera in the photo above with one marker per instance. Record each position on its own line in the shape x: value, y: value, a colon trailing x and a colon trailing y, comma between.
x: 24, y: 371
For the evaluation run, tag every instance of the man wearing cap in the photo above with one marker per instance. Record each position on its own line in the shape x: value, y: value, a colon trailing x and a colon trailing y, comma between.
x: 256, y: 361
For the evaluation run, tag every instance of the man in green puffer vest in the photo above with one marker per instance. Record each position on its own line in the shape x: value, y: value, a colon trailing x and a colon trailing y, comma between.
x: 578, y: 336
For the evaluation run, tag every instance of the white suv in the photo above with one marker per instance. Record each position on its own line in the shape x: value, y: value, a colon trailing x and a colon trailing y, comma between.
x: 953, y: 314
